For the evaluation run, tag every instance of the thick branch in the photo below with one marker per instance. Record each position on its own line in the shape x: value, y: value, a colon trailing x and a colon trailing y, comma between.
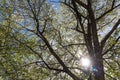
x: 51, y: 50
x: 66, y: 70
x: 109, y: 33
x: 92, y: 28
x: 81, y: 3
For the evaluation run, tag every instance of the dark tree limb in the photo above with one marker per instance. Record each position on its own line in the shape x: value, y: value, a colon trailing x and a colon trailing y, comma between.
x: 107, y: 12
x: 92, y: 29
x: 78, y: 17
x: 41, y: 36
x: 111, y: 46
x: 103, y: 41
x: 73, y: 9
x: 31, y: 8
x: 81, y: 3
x: 113, y: 3
x: 47, y: 66
x: 76, y: 29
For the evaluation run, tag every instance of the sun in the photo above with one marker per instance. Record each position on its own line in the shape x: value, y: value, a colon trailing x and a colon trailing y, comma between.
x: 85, y: 62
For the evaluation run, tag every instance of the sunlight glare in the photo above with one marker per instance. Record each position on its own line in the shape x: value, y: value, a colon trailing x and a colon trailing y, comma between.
x: 85, y: 62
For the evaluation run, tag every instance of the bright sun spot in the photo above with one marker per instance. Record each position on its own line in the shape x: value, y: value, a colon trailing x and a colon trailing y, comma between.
x: 85, y: 62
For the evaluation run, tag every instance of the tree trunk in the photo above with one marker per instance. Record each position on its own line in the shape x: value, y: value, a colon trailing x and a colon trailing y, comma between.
x: 99, y: 72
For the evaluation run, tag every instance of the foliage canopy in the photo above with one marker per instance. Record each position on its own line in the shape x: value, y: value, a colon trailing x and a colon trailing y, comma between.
x: 40, y: 42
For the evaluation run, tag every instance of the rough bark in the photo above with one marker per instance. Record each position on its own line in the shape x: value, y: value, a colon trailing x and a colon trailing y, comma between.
x: 99, y: 74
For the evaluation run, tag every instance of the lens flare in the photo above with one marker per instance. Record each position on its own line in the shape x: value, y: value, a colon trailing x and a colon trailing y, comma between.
x: 85, y: 62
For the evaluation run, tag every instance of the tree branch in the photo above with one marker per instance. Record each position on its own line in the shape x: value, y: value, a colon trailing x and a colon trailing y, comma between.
x: 76, y: 29
x: 103, y: 41
x: 92, y: 30
x: 113, y: 3
x: 78, y: 17
x: 81, y: 4
x: 111, y: 46
x: 47, y: 66
x: 40, y: 35
x: 84, y: 71
x: 102, y: 26
x: 74, y: 10
x: 112, y: 8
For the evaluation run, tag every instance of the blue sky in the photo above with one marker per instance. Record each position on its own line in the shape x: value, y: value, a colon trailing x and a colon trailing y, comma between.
x: 55, y: 3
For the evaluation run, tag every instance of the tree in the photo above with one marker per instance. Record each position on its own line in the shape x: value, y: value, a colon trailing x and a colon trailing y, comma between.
x: 90, y: 31
x: 50, y: 41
